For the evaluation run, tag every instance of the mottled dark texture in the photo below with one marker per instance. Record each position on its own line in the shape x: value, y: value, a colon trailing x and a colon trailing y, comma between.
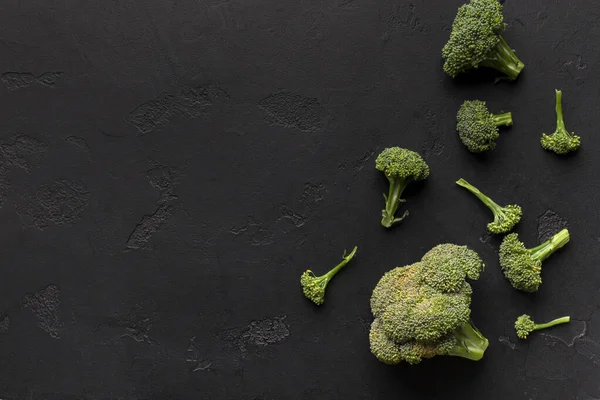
x: 168, y: 169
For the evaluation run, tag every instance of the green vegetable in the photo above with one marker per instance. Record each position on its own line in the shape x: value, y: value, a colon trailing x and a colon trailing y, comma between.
x: 505, y: 218
x: 522, y: 266
x: 477, y: 127
x: 524, y: 325
x: 423, y: 310
x: 475, y: 41
x: 314, y: 286
x: 561, y: 141
x: 401, y: 167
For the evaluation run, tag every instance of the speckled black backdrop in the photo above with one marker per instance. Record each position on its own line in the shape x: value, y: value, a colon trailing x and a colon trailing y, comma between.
x: 169, y: 168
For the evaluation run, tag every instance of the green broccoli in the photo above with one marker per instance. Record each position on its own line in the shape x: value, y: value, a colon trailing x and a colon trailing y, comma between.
x: 522, y: 266
x: 423, y: 310
x: 477, y: 127
x: 314, y: 286
x: 524, y: 325
x: 505, y: 218
x: 561, y: 141
x: 401, y: 167
x: 475, y: 41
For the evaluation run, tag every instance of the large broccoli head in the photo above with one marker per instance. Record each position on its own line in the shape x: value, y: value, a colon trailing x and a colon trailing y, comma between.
x: 475, y: 41
x: 423, y: 310
x: 401, y: 167
x: 477, y: 127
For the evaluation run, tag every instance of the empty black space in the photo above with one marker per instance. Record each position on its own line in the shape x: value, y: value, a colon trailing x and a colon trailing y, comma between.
x: 169, y: 168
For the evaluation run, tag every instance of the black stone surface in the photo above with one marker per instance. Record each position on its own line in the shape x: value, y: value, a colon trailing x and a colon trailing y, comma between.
x: 169, y: 168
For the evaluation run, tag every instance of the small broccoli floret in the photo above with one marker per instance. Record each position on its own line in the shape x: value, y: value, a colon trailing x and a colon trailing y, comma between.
x: 477, y: 127
x: 561, y: 141
x: 524, y: 325
x: 401, y: 167
x: 505, y: 218
x: 522, y: 266
x: 475, y: 41
x: 423, y: 310
x: 314, y: 286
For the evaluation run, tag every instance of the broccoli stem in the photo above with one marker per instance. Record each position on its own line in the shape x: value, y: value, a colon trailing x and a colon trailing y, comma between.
x: 503, y: 119
x: 546, y: 249
x: 392, y: 201
x: 471, y: 343
x: 502, y: 58
x: 560, y: 122
x: 324, y: 279
x: 491, y: 204
x: 556, y: 321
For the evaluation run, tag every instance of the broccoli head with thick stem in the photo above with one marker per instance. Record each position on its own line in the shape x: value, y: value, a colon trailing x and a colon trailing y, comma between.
x: 561, y: 141
x: 523, y: 266
x: 475, y: 41
x: 423, y: 310
x: 505, y: 218
x: 314, y: 286
x: 524, y: 325
x: 477, y: 127
x: 401, y: 167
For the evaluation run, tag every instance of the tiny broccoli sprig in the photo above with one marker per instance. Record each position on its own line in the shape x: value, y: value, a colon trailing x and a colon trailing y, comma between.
x: 314, y: 286
x: 505, y: 218
x: 477, y: 127
x: 524, y: 325
x: 561, y: 141
x: 401, y: 167
x: 523, y: 266
x: 475, y: 41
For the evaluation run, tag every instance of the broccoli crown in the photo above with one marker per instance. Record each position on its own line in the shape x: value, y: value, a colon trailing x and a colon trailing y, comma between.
x: 561, y: 141
x: 522, y: 266
x: 522, y: 270
x: 403, y: 164
x: 475, y: 32
x: 524, y: 325
x: 313, y: 287
x: 420, y: 309
x: 505, y: 219
x: 477, y: 127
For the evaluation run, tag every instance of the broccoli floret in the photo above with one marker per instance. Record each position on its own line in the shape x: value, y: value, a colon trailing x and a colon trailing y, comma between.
x: 524, y: 325
x: 314, y: 286
x: 561, y: 141
x: 505, y: 218
x: 475, y: 41
x: 423, y: 310
x: 477, y: 127
x: 401, y: 167
x: 522, y: 266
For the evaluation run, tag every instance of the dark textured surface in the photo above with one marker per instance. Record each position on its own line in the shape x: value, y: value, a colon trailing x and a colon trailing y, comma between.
x: 169, y: 168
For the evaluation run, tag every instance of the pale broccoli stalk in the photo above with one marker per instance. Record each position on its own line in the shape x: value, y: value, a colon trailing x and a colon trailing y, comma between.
x: 471, y: 344
x: 401, y: 167
x: 314, y: 286
x: 524, y: 325
x: 505, y: 218
x: 523, y: 266
x: 475, y: 41
x: 561, y: 141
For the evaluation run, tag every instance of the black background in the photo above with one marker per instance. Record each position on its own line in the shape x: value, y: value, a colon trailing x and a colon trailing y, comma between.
x: 169, y: 169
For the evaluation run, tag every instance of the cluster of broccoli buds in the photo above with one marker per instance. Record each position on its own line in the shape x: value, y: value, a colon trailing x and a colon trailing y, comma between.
x: 423, y: 310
